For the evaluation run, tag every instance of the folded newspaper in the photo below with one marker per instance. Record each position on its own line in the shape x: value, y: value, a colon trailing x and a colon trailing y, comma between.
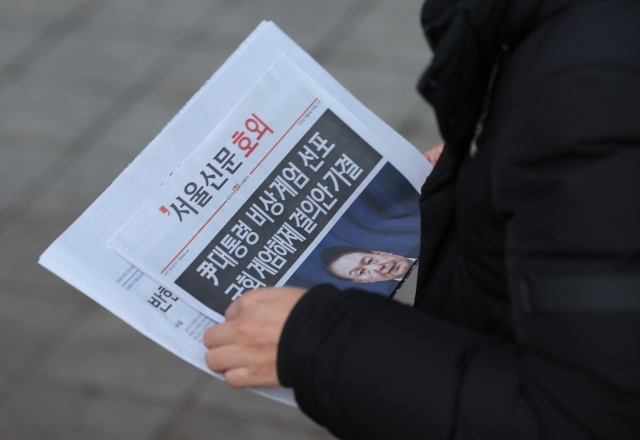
x: 272, y: 174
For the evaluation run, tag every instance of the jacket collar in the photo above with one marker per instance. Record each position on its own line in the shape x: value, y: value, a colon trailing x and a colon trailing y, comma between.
x: 467, y: 37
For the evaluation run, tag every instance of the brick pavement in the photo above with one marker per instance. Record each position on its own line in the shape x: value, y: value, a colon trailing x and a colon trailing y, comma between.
x: 84, y: 86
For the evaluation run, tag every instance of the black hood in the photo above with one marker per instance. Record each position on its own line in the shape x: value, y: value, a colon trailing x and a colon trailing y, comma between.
x: 467, y: 38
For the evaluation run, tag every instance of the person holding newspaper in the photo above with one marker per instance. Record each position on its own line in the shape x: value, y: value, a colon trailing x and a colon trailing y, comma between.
x: 526, y: 321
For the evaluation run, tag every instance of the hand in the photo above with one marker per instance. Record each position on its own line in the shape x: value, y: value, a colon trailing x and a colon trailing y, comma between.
x: 433, y: 154
x: 245, y: 347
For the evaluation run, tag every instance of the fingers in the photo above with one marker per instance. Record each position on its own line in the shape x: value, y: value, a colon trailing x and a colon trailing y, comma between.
x: 225, y: 358
x: 220, y: 334
x: 243, y: 304
x: 230, y: 348
x: 238, y: 378
x: 244, y: 367
x: 244, y: 377
x: 433, y: 154
x: 234, y: 310
x: 245, y: 347
x: 227, y: 332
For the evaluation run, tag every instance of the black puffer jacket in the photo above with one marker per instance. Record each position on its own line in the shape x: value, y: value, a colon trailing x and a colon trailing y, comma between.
x: 527, y: 315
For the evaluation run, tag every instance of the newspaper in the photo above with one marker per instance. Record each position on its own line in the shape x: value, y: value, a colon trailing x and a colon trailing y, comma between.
x: 268, y: 166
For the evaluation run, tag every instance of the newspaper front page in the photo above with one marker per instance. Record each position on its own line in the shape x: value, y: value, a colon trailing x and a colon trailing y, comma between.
x: 258, y: 195
x: 269, y: 164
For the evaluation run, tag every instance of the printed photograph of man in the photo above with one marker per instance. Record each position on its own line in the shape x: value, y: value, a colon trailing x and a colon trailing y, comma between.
x: 376, y: 241
x: 350, y: 263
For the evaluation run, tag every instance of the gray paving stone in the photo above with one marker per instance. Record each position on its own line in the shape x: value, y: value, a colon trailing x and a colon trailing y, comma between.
x: 28, y: 112
x: 13, y: 17
x: 391, y: 97
x: 22, y: 242
x: 421, y: 128
x: 165, y: 14
x: 19, y: 164
x: 381, y: 60
x: 54, y: 70
x: 130, y: 135
x: 54, y: 290
x: 71, y: 194
x: 53, y: 8
x: 25, y: 322
x: 42, y: 410
x: 105, y: 57
x: 210, y: 425
x: 13, y: 40
x: 400, y: 64
x: 216, y: 397
x: 306, y: 21
x: 146, y: 119
x: 192, y: 72
x: 392, y: 27
x: 106, y: 354
x: 71, y: 83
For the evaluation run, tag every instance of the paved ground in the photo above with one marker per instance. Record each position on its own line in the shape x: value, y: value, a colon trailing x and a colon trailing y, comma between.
x: 84, y: 86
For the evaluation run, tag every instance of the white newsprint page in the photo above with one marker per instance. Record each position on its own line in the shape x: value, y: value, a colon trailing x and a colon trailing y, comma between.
x: 268, y: 170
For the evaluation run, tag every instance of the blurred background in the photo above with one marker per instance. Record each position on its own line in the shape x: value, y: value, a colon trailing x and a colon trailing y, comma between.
x: 84, y: 86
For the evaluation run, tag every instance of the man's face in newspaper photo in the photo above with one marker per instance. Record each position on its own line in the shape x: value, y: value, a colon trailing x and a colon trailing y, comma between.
x: 369, y: 267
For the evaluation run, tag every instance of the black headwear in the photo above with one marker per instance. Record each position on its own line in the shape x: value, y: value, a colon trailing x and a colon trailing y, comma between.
x: 467, y: 38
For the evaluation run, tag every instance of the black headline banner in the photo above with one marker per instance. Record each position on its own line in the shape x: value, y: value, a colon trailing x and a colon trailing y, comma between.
x: 283, y: 216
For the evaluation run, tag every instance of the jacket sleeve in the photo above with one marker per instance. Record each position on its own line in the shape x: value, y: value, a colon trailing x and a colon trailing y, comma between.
x: 366, y: 367
x: 568, y: 188
x: 369, y: 368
